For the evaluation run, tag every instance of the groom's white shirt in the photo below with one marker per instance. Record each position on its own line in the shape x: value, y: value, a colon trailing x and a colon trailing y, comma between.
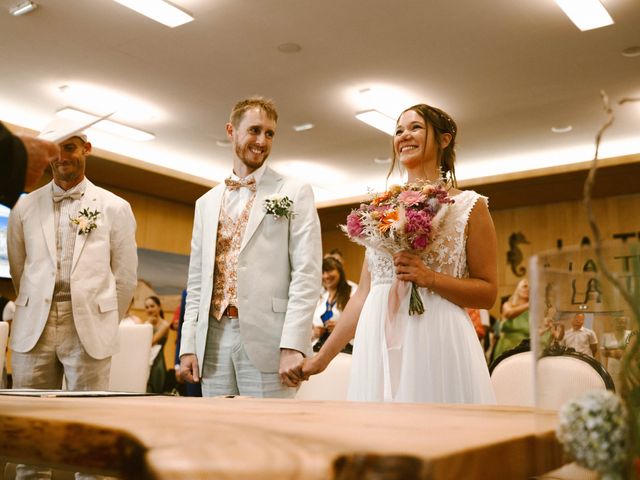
x: 279, y: 273
x: 103, y: 269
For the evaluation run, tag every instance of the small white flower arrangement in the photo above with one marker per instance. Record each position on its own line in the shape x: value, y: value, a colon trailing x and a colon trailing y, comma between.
x: 86, y: 221
x: 594, y: 430
x: 278, y: 206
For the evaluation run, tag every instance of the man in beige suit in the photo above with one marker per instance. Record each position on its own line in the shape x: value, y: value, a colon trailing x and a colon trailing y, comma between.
x: 73, y: 262
x: 254, y: 272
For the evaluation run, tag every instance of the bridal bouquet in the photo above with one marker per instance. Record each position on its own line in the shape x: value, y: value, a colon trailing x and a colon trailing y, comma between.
x: 404, y: 217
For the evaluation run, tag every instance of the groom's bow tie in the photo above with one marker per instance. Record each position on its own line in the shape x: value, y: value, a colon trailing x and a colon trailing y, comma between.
x: 58, y: 197
x: 249, y: 183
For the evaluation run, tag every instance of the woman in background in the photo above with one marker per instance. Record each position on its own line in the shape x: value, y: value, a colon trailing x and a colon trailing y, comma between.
x: 613, y: 346
x: 515, y: 319
x: 334, y: 298
x: 158, y: 371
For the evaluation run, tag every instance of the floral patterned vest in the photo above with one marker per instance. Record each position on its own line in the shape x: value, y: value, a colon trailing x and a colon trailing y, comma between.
x: 225, y: 274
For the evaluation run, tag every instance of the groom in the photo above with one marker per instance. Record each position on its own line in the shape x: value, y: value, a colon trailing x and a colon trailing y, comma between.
x: 254, y: 272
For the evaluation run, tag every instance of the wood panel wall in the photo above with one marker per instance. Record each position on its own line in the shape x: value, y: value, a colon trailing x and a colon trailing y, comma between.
x: 163, y: 225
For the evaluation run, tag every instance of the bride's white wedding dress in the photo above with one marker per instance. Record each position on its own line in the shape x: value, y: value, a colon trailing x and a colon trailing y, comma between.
x: 440, y: 358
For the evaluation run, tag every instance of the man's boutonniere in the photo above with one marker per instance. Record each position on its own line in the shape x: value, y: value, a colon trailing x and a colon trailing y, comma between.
x: 86, y: 220
x: 278, y: 206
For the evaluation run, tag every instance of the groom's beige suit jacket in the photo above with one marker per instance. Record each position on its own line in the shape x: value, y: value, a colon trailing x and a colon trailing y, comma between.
x: 103, y: 271
x: 279, y: 274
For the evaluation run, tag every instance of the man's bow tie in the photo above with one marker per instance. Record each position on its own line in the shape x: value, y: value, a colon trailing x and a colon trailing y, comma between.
x: 58, y: 197
x: 249, y: 183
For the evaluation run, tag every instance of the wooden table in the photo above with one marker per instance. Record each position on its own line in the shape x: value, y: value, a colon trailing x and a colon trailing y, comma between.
x: 243, y: 438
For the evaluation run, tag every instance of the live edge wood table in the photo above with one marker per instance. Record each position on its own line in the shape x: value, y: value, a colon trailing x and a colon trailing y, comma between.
x: 159, y: 437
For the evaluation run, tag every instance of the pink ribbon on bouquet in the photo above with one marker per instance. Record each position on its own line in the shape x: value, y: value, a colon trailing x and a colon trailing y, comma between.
x: 394, y: 328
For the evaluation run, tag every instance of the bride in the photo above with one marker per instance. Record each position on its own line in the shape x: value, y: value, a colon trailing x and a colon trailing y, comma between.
x: 434, y: 356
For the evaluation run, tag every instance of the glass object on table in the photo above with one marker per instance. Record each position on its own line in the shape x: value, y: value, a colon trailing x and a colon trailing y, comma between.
x: 582, y: 328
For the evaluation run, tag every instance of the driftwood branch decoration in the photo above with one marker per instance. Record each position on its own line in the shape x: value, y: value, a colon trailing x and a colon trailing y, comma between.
x: 631, y: 361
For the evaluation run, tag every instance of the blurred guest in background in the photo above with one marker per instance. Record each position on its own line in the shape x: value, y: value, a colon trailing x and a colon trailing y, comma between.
x: 334, y: 298
x: 515, y: 319
x: 155, y: 316
x: 613, y: 345
x: 551, y: 332
x: 581, y: 338
x: 337, y: 254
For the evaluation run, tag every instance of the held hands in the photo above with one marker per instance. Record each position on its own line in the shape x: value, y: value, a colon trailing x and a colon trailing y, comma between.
x: 290, y: 367
x: 311, y: 366
x: 189, y: 370
x: 411, y: 268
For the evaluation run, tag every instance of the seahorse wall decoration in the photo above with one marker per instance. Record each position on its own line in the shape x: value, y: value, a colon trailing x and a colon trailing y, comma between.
x: 514, y: 255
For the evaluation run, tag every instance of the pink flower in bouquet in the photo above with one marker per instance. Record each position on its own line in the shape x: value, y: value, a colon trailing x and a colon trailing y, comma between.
x: 354, y: 225
x: 411, y: 197
x: 418, y: 221
x: 420, y: 242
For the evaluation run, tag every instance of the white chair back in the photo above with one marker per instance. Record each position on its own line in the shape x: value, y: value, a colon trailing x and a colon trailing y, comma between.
x: 559, y: 379
x: 4, y: 335
x: 130, y: 366
x: 563, y: 377
x: 512, y: 380
x: 332, y: 384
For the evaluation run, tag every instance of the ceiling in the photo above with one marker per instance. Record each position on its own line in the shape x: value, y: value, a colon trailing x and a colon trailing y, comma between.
x: 506, y: 71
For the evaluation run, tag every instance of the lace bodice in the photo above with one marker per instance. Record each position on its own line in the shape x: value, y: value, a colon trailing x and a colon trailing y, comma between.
x: 447, y: 254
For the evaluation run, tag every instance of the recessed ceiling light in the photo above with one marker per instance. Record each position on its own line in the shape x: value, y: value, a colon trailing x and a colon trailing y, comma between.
x: 561, y: 128
x: 108, y: 126
x: 382, y: 160
x: 289, y: 47
x: 586, y: 14
x: 158, y: 10
x: 378, y: 120
x: 223, y: 143
x: 23, y: 8
x: 631, y: 51
x: 303, y: 126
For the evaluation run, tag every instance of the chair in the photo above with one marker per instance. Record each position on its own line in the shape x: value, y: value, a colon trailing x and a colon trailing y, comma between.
x: 4, y: 335
x: 130, y: 366
x: 512, y: 377
x: 331, y: 384
x: 562, y: 374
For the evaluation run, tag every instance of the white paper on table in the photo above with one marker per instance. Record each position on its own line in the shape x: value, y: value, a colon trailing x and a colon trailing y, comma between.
x: 61, y: 129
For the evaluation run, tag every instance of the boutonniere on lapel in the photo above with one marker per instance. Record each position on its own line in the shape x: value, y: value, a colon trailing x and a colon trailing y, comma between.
x: 278, y: 206
x: 86, y: 221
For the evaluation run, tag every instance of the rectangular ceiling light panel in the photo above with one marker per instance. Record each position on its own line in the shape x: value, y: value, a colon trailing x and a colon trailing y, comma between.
x: 158, y: 10
x: 586, y: 14
x: 378, y: 120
